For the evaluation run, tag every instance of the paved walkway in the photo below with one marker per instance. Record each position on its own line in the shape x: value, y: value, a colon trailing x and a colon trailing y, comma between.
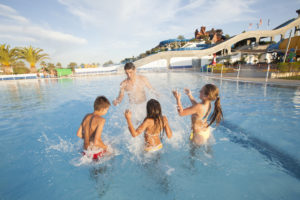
x: 294, y: 83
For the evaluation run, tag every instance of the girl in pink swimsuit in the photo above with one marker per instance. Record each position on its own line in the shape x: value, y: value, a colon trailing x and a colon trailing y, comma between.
x: 200, y: 111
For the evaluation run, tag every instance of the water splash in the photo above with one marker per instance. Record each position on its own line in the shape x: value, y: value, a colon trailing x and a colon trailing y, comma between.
x: 61, y: 145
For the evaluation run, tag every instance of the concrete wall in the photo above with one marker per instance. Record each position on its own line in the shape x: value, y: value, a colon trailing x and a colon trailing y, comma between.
x: 158, y: 64
x: 97, y: 70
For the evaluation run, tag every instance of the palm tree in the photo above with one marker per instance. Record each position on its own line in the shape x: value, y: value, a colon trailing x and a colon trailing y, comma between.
x: 32, y: 56
x: 7, y: 57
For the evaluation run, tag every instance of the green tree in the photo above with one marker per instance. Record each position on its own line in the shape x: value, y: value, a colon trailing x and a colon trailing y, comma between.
x: 32, y: 56
x: 7, y: 57
x: 72, y: 66
x: 180, y: 37
x: 43, y: 64
x: 20, y: 68
x: 50, y: 66
x: 110, y: 62
x: 58, y: 65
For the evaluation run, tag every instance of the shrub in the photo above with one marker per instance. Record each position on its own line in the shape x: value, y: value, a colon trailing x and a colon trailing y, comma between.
x: 288, y: 67
x: 20, y: 70
x: 218, y: 69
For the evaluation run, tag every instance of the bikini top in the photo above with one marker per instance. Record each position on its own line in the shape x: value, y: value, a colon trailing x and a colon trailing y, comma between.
x: 204, y: 119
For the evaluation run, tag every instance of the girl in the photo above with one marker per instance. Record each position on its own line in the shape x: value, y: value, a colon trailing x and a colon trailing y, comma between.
x: 153, y: 125
x: 200, y: 111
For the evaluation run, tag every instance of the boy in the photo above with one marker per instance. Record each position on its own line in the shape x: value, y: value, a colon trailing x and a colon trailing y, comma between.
x: 92, y: 125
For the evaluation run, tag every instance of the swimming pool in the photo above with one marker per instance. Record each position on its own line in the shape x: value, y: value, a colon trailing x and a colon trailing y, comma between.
x: 255, y: 154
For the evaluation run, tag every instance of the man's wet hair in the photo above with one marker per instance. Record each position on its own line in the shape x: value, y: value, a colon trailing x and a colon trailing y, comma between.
x: 101, y: 102
x: 129, y: 65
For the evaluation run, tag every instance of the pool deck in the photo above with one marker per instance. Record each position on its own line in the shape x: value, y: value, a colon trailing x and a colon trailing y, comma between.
x: 284, y: 82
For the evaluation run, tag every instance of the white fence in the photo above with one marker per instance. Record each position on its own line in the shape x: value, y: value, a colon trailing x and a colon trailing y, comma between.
x: 98, y: 70
x: 18, y: 76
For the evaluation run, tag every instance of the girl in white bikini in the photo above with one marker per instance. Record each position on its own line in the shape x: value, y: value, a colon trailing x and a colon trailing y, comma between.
x: 153, y: 125
x: 200, y: 111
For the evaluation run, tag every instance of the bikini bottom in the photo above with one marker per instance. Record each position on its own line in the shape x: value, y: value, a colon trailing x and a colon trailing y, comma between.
x: 155, y: 148
x: 205, y: 134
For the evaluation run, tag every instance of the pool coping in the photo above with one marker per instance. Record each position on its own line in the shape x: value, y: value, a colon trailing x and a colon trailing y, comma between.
x: 271, y: 81
x: 281, y: 82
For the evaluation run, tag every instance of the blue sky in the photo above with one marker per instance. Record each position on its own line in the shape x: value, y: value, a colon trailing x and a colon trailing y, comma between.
x: 95, y: 31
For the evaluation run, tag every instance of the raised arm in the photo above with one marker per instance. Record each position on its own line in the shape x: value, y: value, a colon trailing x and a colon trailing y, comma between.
x: 189, y: 94
x: 121, y: 94
x: 167, y: 127
x: 79, y: 131
x: 177, y: 96
x: 98, y: 140
x: 187, y: 111
x: 134, y: 132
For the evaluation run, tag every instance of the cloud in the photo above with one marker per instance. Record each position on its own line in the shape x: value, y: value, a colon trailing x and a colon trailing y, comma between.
x: 17, y: 28
x: 117, y: 29
x: 10, y: 13
x: 18, y: 39
x: 156, y: 17
x: 139, y: 25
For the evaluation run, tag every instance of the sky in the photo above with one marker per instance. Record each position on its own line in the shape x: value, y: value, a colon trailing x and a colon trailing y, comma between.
x: 96, y: 31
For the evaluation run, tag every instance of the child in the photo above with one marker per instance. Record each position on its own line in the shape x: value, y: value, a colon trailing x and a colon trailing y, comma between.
x: 200, y: 111
x: 153, y: 125
x: 92, y: 125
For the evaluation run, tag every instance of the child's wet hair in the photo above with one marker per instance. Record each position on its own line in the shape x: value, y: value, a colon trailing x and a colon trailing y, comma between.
x: 101, y: 102
x: 129, y: 65
x: 154, y: 112
x: 212, y: 93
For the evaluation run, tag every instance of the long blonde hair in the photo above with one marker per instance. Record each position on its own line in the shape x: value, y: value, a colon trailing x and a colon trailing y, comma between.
x: 212, y: 93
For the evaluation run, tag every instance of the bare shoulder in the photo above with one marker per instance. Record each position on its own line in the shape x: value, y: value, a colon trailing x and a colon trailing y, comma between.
x: 148, y: 121
x: 143, y: 78
x: 198, y: 106
x: 123, y: 83
x: 99, y: 120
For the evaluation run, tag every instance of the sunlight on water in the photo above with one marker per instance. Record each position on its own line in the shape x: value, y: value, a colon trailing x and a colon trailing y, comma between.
x: 258, y: 142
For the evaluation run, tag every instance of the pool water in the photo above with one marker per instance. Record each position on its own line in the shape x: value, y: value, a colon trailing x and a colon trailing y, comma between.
x: 255, y: 153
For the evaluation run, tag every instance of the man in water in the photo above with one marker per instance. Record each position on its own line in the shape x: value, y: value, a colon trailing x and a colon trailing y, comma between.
x: 134, y: 85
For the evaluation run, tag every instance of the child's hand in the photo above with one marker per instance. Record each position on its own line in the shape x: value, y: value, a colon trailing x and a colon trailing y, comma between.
x: 127, y: 114
x: 115, y: 102
x: 187, y: 91
x: 176, y: 94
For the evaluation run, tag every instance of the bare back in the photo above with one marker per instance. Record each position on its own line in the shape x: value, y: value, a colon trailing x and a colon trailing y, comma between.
x: 152, y: 131
x: 199, y: 118
x: 91, y: 129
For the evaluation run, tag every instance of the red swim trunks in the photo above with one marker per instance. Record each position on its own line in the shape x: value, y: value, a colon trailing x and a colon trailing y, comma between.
x: 96, y: 156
